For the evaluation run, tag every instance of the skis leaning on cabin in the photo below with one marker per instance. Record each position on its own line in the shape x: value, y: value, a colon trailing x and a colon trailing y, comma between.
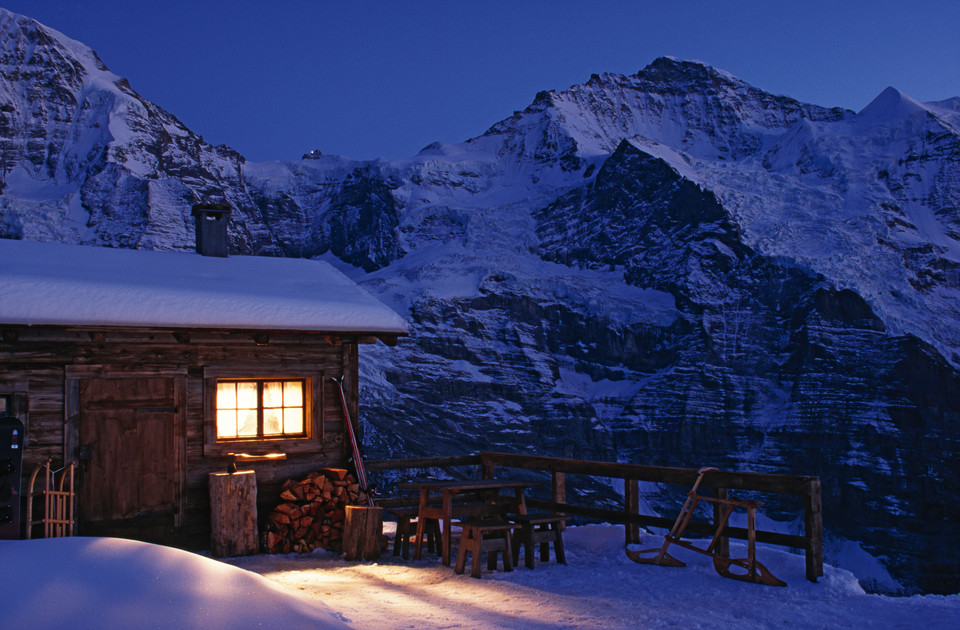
x: 354, y: 443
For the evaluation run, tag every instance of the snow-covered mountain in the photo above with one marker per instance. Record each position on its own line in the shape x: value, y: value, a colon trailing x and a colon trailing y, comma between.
x: 672, y: 267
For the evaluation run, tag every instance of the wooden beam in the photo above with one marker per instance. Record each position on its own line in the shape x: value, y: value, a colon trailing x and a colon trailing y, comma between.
x: 423, y: 462
x: 761, y: 482
x: 618, y: 516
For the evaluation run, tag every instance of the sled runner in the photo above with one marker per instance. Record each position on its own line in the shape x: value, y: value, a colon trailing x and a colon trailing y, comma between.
x: 746, y: 569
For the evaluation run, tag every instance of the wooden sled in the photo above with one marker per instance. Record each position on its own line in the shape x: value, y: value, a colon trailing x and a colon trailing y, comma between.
x: 745, y: 569
x: 58, y: 498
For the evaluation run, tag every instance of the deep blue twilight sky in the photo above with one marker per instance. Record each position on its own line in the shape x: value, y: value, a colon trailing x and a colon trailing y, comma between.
x: 385, y: 78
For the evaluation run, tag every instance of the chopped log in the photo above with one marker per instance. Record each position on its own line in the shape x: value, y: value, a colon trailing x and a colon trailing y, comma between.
x: 290, y: 510
x: 337, y: 474
x: 363, y: 527
x: 279, y: 518
x: 233, y: 513
x: 273, y: 540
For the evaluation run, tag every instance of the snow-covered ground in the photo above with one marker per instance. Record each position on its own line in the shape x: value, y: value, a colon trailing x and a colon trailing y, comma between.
x: 108, y: 583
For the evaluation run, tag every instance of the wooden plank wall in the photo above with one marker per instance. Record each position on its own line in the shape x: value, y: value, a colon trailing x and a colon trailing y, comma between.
x: 35, y: 360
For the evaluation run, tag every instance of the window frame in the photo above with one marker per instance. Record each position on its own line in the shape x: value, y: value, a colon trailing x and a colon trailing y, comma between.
x: 261, y: 408
x: 308, y: 442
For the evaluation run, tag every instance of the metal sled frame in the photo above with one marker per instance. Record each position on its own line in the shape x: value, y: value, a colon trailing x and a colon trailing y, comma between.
x: 754, y: 571
x: 57, y: 517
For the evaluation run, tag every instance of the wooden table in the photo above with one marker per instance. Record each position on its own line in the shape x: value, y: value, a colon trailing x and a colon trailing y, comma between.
x: 450, y: 487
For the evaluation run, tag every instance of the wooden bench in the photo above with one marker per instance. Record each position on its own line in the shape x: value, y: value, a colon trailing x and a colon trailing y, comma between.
x: 538, y: 528
x: 484, y: 535
x: 407, y: 527
x: 407, y: 513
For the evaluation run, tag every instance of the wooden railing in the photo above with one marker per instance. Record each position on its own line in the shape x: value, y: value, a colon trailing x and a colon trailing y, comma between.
x: 807, y: 488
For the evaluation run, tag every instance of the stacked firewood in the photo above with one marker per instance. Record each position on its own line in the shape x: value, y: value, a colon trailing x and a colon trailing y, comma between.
x: 312, y: 512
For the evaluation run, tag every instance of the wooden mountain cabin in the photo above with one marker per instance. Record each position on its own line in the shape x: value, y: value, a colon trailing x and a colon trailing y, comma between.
x: 149, y: 369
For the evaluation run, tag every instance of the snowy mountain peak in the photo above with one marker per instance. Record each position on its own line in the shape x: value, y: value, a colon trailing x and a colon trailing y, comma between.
x: 78, y: 139
x: 685, y: 72
x: 891, y: 104
x: 16, y: 27
x: 687, y: 105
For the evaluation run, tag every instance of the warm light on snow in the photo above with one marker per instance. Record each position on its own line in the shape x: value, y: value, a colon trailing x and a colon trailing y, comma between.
x: 112, y: 584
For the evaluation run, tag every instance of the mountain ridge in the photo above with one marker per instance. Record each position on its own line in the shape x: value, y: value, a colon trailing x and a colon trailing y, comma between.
x: 671, y: 267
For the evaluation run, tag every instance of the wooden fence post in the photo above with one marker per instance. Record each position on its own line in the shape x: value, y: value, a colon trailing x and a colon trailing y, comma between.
x: 486, y: 469
x: 813, y: 530
x: 723, y: 543
x: 631, y: 505
x: 560, y: 491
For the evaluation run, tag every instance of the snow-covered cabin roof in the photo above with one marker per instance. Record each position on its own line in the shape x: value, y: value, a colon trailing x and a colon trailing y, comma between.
x: 71, y: 285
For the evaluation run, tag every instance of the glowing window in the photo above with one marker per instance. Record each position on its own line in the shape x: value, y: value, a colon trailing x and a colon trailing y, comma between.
x: 256, y: 409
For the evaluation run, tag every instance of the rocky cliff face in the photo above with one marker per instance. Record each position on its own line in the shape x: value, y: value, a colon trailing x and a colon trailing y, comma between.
x: 672, y: 267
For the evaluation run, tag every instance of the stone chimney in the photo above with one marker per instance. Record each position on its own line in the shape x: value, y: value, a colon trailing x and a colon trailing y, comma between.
x: 212, y: 228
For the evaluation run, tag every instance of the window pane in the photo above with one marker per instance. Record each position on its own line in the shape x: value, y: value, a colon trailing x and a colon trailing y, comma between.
x: 227, y: 396
x: 247, y: 423
x: 273, y: 394
x: 293, y: 394
x: 226, y: 424
x: 293, y: 420
x: 272, y: 421
x: 254, y: 408
x: 246, y: 395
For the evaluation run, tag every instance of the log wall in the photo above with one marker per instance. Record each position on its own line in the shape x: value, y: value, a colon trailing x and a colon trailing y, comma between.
x: 38, y: 365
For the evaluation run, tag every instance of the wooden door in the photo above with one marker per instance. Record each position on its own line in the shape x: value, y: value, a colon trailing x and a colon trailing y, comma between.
x: 129, y: 458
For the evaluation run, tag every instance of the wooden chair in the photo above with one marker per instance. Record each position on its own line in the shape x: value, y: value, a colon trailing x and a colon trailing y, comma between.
x: 539, y: 529
x: 478, y: 536
x: 407, y: 527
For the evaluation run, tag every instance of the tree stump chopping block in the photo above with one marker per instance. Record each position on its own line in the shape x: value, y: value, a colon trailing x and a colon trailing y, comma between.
x: 362, y: 532
x: 233, y: 514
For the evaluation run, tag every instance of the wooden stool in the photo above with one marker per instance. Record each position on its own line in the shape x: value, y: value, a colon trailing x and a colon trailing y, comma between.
x: 407, y: 527
x: 538, y: 528
x: 477, y: 536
